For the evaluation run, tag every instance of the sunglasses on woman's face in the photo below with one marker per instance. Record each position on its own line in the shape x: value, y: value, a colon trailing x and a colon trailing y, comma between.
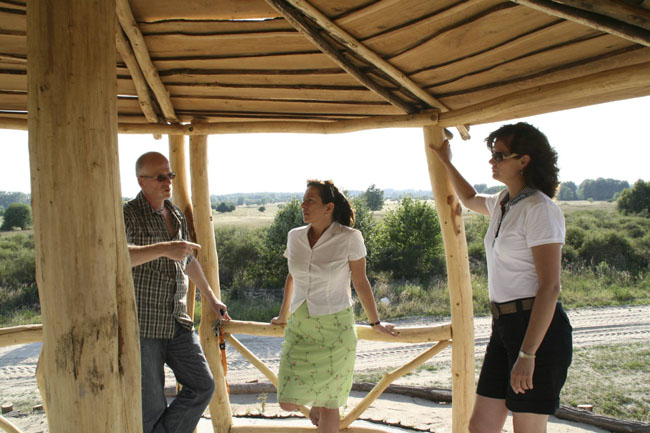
x: 500, y: 156
x: 162, y: 177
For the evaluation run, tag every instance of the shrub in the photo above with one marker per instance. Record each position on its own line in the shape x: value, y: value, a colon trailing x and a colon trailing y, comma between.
x: 239, y: 250
x: 409, y: 243
x: 610, y: 247
x: 272, y: 268
x: 635, y: 200
x: 17, y: 215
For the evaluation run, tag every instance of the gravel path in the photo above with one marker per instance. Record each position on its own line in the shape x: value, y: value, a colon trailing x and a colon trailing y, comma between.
x: 592, y: 326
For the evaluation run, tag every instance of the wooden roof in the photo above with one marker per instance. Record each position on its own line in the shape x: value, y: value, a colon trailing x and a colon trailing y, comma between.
x: 326, y: 60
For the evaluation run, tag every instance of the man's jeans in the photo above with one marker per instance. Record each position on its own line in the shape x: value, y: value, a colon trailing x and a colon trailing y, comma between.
x: 183, y: 354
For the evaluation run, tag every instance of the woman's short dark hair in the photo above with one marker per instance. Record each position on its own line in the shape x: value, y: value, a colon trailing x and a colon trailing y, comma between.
x: 343, y: 213
x: 524, y: 139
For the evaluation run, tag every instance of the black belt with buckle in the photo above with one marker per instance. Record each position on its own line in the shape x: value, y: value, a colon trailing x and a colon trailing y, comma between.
x: 516, y: 306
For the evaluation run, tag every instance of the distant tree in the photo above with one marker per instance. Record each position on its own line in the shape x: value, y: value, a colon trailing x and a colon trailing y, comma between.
x: 493, y: 189
x: 409, y: 243
x: 261, y: 208
x: 225, y: 207
x: 2, y: 210
x: 7, y: 198
x: 374, y: 197
x: 601, y: 189
x: 273, y: 265
x: 17, y: 215
x: 635, y: 200
x: 568, y: 191
x: 480, y: 187
x: 365, y: 222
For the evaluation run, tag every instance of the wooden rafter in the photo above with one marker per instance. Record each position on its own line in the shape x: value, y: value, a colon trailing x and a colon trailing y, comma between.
x: 590, y: 19
x: 370, y: 56
x: 616, y: 9
x: 130, y: 27
x: 139, y: 81
x: 296, y: 19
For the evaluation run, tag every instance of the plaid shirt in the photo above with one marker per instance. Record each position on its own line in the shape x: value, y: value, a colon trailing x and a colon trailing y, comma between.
x: 160, y: 285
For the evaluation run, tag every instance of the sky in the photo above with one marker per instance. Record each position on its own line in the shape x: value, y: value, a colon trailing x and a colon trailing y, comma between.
x: 607, y: 140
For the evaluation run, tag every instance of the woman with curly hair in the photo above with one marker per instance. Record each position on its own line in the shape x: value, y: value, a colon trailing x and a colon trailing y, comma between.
x: 530, y: 349
x: 320, y: 340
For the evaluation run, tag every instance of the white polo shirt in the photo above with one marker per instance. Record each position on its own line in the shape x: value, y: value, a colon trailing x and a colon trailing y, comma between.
x: 321, y: 275
x: 535, y: 220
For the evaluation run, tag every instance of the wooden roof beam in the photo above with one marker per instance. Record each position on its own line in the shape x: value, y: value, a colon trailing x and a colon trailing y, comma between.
x: 371, y: 57
x: 139, y: 81
x: 590, y: 19
x: 295, y: 18
x: 552, y: 97
x: 338, y: 127
x: 616, y: 9
x: 128, y: 23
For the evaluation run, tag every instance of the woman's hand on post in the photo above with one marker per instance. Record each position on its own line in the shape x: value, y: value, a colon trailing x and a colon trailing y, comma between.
x: 443, y: 152
x: 386, y: 328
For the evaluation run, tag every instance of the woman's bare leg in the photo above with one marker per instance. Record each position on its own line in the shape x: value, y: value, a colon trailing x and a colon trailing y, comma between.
x: 488, y: 416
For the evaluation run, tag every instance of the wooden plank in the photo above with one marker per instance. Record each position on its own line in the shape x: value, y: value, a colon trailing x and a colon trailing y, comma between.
x: 472, y: 37
x: 13, y: 22
x: 595, y: 88
x: 317, y: 78
x: 16, y: 80
x: 306, y: 107
x: 176, y: 45
x: 200, y: 9
x: 270, y: 62
x: 392, y: 42
x: 539, y: 40
x: 478, y: 95
x: 205, y: 26
x: 331, y: 94
x: 382, y: 16
x: 13, y: 44
x: 530, y: 65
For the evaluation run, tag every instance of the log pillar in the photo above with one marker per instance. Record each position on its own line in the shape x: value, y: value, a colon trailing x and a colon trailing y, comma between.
x: 220, y: 410
x: 460, y: 284
x: 181, y: 198
x: 90, y: 361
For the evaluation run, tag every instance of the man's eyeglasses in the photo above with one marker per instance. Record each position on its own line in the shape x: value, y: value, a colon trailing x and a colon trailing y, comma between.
x: 162, y: 177
x: 500, y: 156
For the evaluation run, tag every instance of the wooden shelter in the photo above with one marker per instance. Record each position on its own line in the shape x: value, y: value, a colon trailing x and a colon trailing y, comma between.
x: 74, y: 75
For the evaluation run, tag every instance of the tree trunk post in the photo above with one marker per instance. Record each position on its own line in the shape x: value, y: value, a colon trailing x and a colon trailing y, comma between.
x: 460, y: 284
x: 220, y: 410
x: 90, y: 361
x: 181, y: 198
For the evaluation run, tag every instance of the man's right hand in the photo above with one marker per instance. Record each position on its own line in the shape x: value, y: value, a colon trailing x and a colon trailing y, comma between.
x: 178, y: 250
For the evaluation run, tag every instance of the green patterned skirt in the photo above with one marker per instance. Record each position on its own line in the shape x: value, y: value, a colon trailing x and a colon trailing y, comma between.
x: 317, y: 359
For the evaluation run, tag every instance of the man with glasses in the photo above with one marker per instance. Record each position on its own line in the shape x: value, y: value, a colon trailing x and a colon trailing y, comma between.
x: 161, y: 256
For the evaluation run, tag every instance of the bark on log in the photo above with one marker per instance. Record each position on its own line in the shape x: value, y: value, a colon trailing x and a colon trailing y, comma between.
x: 220, y: 410
x: 460, y: 285
x: 90, y: 357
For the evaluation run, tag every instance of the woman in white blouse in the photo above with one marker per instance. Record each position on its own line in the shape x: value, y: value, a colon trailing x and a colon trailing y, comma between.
x: 530, y: 348
x: 320, y: 341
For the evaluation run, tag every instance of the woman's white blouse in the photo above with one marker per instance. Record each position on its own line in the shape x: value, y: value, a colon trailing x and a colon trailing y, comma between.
x: 535, y: 220
x: 321, y: 275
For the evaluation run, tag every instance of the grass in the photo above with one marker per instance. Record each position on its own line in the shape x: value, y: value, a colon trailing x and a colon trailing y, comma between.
x: 614, y: 379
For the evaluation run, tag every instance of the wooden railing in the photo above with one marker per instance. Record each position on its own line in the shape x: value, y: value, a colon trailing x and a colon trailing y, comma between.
x: 439, y: 336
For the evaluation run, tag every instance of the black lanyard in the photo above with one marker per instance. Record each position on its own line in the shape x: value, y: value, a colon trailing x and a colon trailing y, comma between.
x: 506, y: 204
